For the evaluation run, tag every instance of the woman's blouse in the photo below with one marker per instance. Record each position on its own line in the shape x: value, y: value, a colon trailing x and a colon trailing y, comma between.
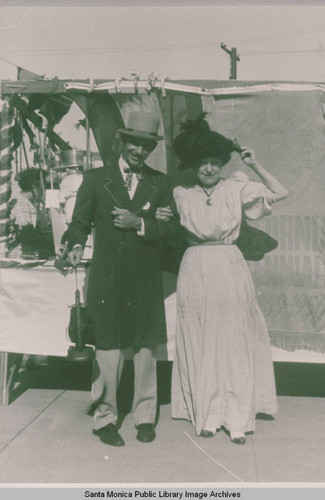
x: 220, y: 218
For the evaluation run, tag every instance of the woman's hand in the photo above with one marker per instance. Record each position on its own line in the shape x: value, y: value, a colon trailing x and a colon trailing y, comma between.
x: 279, y: 191
x: 248, y: 157
x: 164, y: 214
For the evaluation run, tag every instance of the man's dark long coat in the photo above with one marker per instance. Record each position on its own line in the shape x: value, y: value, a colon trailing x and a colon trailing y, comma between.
x: 125, y: 295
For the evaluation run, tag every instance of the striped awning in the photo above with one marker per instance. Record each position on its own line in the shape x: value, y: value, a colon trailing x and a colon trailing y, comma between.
x: 6, y: 146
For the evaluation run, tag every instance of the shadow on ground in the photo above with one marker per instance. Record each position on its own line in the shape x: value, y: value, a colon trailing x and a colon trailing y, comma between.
x: 300, y: 379
x: 292, y: 379
x: 59, y: 373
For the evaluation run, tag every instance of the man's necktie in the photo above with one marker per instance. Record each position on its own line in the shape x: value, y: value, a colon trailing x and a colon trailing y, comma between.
x: 128, y: 178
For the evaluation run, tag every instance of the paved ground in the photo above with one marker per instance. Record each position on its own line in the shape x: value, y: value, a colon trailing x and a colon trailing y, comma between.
x: 46, y: 434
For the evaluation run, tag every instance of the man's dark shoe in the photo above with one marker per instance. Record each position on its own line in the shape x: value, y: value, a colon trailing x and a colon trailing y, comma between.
x: 109, y: 435
x: 206, y: 434
x: 146, y: 433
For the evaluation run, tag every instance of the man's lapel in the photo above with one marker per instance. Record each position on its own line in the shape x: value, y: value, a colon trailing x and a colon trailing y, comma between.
x: 146, y: 189
x: 114, y: 185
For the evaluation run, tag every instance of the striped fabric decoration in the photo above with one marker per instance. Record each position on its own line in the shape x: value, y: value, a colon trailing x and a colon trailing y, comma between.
x: 6, y: 145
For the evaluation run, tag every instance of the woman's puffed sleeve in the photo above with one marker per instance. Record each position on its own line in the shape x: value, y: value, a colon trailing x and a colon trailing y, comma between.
x: 177, y: 192
x: 256, y: 198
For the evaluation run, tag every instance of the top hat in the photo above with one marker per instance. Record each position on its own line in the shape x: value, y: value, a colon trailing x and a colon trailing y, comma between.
x: 143, y: 126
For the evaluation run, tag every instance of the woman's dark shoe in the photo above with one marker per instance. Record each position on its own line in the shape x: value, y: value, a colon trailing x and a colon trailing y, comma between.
x: 238, y: 437
x: 264, y: 416
x: 206, y: 434
x: 109, y: 435
x: 146, y: 433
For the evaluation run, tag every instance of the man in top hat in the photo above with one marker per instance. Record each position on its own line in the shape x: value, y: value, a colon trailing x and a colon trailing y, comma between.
x: 125, y: 296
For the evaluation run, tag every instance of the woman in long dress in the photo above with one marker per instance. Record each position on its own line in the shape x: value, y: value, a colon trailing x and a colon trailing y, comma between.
x: 223, y: 370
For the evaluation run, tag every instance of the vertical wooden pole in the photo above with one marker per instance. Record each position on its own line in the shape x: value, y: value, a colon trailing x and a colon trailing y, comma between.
x: 233, y: 64
x: 234, y: 57
x: 4, y: 393
x: 88, y: 163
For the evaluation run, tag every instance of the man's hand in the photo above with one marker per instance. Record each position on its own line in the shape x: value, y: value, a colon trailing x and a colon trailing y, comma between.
x: 164, y: 214
x: 125, y: 219
x: 75, y: 255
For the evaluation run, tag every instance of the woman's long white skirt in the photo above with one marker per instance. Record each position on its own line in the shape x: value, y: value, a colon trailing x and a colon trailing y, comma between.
x: 223, y: 371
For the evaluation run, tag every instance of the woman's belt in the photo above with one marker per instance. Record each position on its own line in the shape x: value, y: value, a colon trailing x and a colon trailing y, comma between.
x: 193, y: 243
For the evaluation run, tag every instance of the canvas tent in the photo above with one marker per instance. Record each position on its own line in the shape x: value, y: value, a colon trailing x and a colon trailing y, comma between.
x: 284, y: 122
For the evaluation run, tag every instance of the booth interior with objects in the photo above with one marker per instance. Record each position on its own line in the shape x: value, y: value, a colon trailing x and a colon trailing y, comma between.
x: 284, y: 122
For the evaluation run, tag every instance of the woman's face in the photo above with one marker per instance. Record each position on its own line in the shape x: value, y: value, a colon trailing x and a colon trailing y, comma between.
x: 208, y: 173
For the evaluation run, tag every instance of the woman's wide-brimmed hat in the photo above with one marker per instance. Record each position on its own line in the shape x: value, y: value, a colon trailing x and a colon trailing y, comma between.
x: 142, y: 125
x: 197, y: 141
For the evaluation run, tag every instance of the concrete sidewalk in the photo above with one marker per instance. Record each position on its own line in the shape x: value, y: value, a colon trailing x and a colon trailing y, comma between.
x: 46, y: 435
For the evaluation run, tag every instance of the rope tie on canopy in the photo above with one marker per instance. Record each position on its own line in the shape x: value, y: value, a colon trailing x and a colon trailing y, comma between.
x: 151, y: 82
x: 136, y: 82
x: 117, y: 84
x: 91, y: 85
x: 162, y: 86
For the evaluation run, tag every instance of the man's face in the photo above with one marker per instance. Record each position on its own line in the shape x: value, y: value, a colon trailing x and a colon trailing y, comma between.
x: 135, y: 151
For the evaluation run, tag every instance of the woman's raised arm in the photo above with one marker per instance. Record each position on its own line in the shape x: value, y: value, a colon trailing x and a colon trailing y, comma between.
x: 248, y: 157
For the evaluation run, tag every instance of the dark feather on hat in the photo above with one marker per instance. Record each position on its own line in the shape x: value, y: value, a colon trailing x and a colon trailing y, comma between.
x: 197, y: 141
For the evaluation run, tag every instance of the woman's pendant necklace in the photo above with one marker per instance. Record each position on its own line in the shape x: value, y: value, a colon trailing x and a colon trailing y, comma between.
x: 209, y: 200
